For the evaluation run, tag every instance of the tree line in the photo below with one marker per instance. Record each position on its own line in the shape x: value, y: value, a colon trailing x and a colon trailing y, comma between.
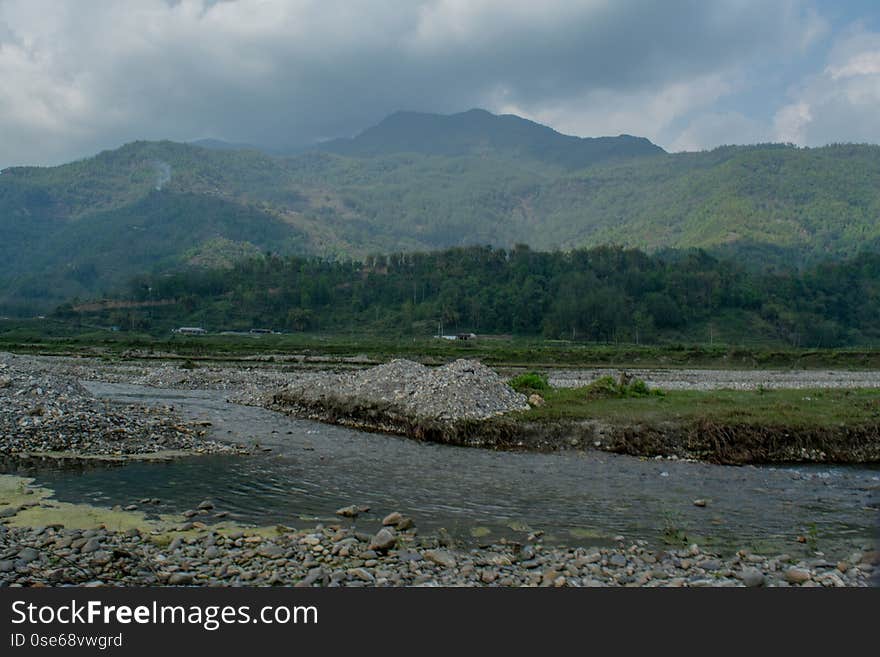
x: 604, y: 294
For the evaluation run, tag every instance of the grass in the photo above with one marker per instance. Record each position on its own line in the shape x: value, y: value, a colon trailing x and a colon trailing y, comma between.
x: 530, y: 382
x: 50, y: 336
x: 789, y: 408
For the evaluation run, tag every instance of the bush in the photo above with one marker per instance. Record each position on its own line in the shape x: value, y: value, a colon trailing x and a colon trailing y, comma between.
x: 528, y: 383
x: 606, y: 387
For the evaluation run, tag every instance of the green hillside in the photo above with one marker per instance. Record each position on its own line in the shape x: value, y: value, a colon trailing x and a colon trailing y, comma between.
x: 423, y: 182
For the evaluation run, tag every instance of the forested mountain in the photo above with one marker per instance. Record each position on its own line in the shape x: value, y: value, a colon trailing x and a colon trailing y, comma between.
x: 602, y: 294
x: 422, y: 182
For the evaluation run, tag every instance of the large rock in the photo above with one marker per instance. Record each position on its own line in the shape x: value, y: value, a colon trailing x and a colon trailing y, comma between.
x: 797, y: 575
x: 441, y: 558
x: 384, y: 540
x: 752, y: 577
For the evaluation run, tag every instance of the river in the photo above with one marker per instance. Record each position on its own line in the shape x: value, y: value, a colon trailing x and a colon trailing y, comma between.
x: 309, y: 470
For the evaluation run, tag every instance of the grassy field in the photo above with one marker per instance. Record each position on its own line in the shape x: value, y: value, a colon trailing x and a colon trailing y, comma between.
x: 53, y: 337
x: 789, y: 408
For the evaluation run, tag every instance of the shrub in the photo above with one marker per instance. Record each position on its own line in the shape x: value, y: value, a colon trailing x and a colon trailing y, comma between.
x: 528, y: 383
x: 606, y: 387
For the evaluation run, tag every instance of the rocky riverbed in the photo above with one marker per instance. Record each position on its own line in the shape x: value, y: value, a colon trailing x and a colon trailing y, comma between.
x: 46, y: 411
x: 249, y: 379
x: 337, y: 555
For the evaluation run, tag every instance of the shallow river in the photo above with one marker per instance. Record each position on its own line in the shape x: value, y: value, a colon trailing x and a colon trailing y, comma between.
x: 476, y: 495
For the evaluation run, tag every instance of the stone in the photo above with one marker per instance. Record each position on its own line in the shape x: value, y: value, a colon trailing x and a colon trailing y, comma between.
x: 871, y: 557
x: 207, y: 505
x: 441, y: 558
x: 180, y: 579
x: 617, y: 560
x: 361, y: 574
x: 28, y: 554
x: 700, y: 503
x: 101, y: 558
x: 752, y: 577
x: 536, y: 400
x: 7, y: 566
x: 271, y: 551
x: 384, y: 540
x: 590, y: 557
x: 797, y: 575
x: 350, y: 511
x: 91, y: 545
x: 405, y: 523
x: 392, y: 519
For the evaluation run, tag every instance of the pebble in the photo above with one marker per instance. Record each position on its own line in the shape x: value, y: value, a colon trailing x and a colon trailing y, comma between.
x: 180, y: 579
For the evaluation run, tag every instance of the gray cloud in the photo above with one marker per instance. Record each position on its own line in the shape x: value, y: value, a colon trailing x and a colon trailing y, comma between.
x: 88, y: 75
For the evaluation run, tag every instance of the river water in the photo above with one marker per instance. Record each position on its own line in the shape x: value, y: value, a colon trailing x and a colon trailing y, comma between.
x: 577, y: 498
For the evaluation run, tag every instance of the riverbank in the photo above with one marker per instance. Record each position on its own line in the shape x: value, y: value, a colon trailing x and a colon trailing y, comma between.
x: 44, y: 542
x: 467, y: 404
x: 45, y: 412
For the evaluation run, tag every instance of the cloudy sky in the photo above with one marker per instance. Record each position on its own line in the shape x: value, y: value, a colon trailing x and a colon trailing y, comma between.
x: 78, y: 77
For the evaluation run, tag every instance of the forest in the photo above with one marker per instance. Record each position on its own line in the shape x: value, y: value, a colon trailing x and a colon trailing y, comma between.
x: 602, y: 294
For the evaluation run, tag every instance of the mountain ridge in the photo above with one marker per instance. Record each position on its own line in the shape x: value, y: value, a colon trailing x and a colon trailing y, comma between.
x: 476, y: 130
x: 764, y: 203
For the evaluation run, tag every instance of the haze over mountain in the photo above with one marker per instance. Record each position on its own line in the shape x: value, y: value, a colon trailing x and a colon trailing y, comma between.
x: 418, y: 182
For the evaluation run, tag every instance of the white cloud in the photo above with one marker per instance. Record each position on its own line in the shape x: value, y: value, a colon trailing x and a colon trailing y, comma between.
x: 719, y: 128
x: 645, y: 112
x: 791, y: 121
x: 840, y: 103
x: 81, y: 76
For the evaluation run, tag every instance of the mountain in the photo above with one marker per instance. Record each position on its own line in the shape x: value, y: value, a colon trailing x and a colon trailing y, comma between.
x: 422, y: 182
x: 478, y: 132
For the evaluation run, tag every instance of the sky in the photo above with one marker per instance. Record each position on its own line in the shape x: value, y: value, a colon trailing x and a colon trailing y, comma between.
x: 80, y: 77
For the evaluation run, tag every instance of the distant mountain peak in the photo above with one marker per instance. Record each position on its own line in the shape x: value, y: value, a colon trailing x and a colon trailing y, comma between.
x: 477, y: 130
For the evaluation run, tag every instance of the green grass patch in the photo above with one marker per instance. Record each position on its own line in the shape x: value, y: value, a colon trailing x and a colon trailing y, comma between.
x: 789, y: 408
x: 530, y: 383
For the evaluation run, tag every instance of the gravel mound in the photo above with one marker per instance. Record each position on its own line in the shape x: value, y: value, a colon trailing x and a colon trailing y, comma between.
x: 46, y: 411
x: 464, y: 389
